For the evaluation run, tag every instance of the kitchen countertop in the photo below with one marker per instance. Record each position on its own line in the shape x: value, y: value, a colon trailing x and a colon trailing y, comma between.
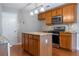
x: 38, y: 33
x: 68, y: 32
x: 45, y: 33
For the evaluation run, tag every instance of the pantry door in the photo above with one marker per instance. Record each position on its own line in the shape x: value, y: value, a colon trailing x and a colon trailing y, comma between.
x: 10, y: 26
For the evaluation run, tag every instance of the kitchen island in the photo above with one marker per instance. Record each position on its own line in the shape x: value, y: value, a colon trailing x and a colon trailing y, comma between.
x: 37, y: 43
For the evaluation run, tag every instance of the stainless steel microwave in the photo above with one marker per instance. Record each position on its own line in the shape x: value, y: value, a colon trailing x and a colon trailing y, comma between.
x: 57, y: 20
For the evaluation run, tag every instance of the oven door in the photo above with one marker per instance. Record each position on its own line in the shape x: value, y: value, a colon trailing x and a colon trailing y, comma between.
x: 55, y: 39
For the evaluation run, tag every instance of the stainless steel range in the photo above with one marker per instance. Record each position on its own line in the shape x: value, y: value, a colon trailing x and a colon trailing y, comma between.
x: 56, y: 36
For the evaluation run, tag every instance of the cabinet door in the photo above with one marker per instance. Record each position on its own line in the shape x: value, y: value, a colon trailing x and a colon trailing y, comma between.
x: 66, y: 40
x: 48, y: 18
x: 69, y: 41
x: 23, y: 40
x: 36, y: 45
x: 30, y: 44
x: 59, y: 12
x: 41, y: 16
x: 26, y: 42
x: 54, y: 13
x: 69, y: 13
x: 63, y: 41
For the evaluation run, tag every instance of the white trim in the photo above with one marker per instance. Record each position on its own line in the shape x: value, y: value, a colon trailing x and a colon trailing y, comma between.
x: 18, y: 43
x: 9, y: 49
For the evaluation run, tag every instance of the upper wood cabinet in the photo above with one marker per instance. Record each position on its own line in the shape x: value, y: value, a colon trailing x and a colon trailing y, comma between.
x: 42, y: 16
x: 57, y: 12
x: 69, y: 13
x: 54, y: 12
x: 48, y: 18
x: 39, y: 16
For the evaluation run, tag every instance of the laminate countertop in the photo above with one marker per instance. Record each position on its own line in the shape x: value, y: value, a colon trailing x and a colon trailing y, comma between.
x: 38, y: 33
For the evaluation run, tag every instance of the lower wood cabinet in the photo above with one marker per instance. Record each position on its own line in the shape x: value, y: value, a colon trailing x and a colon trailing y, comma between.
x: 68, y: 40
x: 37, y: 45
x: 25, y: 42
x: 65, y: 40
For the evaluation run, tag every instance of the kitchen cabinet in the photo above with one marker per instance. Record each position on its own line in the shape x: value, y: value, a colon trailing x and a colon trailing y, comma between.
x: 48, y: 19
x: 67, y: 11
x: 26, y: 42
x: 65, y: 40
x: 69, y: 14
x: 68, y: 40
x: 39, y: 16
x: 38, y: 45
x: 30, y: 44
x: 42, y: 16
x: 57, y: 12
x: 23, y: 40
x: 54, y: 12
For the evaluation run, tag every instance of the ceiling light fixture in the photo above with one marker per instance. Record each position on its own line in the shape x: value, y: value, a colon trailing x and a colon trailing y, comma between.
x: 42, y: 9
x: 31, y: 13
x: 36, y: 11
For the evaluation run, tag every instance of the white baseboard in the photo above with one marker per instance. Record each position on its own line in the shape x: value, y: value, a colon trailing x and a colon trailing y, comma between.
x: 18, y: 43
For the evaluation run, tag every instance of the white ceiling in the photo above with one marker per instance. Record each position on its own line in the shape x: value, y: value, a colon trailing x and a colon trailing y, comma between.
x: 16, y: 6
x: 29, y: 6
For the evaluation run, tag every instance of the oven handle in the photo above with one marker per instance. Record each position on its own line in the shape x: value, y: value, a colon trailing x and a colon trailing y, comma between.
x: 55, y: 34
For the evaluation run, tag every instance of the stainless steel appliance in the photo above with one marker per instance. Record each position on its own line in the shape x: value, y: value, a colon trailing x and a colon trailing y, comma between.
x: 57, y: 20
x: 56, y: 36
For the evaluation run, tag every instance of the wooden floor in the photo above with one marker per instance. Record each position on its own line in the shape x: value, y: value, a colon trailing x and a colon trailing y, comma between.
x: 18, y: 51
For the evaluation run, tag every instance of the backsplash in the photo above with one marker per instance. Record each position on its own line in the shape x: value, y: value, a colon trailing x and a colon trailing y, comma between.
x: 68, y: 27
